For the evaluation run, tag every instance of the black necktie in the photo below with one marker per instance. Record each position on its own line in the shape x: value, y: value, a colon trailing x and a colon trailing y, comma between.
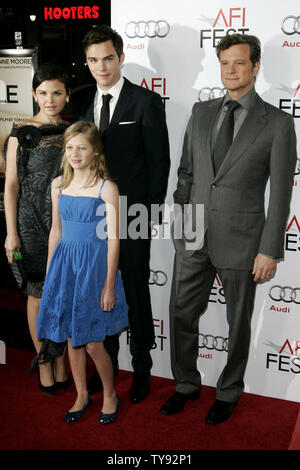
x: 104, y: 118
x: 225, y: 135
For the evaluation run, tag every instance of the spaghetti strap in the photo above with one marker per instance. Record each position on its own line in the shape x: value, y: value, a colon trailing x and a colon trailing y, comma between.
x: 102, y: 186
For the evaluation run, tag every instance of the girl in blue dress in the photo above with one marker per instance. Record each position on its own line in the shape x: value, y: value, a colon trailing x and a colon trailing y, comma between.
x: 83, y: 299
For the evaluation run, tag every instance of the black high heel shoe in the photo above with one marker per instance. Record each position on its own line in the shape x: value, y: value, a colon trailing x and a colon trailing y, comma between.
x: 62, y: 385
x: 108, y: 418
x: 71, y: 416
x: 49, y: 390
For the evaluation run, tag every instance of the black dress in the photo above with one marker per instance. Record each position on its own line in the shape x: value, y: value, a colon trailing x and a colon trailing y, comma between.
x: 39, y: 156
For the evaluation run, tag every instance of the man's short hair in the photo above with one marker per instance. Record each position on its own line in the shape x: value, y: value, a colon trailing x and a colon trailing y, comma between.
x: 103, y: 33
x: 234, y: 39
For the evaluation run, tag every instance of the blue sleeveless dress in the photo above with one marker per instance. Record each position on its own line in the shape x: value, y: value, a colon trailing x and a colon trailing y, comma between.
x: 70, y: 304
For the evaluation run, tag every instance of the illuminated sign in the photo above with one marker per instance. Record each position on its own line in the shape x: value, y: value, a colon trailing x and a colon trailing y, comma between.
x: 71, y: 13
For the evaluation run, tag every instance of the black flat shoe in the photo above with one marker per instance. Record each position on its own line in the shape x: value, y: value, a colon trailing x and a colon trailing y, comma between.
x: 176, y: 402
x: 220, y: 411
x: 49, y: 390
x: 108, y: 418
x: 71, y: 416
x: 62, y: 385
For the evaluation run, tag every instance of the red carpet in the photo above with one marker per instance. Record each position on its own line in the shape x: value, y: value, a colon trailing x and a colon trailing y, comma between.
x: 295, y: 441
x: 32, y: 420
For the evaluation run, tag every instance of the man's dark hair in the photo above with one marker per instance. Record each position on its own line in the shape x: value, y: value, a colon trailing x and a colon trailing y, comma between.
x: 234, y: 39
x: 103, y: 33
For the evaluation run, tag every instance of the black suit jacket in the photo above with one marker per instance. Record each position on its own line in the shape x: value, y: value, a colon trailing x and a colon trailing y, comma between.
x: 136, y: 143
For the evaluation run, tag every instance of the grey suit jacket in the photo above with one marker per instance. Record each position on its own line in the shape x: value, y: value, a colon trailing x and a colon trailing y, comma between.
x: 236, y: 224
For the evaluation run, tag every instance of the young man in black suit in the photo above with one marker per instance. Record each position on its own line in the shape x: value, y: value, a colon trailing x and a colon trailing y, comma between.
x: 137, y: 151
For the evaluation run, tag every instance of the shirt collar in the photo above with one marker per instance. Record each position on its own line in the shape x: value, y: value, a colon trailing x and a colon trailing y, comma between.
x: 114, y: 91
x: 245, y: 100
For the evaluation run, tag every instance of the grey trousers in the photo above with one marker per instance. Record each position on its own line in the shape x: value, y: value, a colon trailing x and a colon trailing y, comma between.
x: 193, y: 278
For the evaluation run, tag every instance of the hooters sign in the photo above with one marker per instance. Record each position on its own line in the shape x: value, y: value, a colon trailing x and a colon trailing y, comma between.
x: 71, y: 13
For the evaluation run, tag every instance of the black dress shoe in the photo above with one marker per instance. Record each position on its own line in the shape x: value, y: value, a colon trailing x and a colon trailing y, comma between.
x: 62, y: 385
x: 220, y: 411
x: 94, y: 384
x: 49, y: 390
x: 140, y: 387
x: 176, y: 403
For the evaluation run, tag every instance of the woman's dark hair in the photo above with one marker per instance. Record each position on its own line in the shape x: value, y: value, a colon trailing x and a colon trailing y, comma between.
x: 49, y: 71
x: 103, y: 33
x: 234, y: 39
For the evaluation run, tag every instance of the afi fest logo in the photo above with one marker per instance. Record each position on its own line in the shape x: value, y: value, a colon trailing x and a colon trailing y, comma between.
x: 287, y: 357
x: 160, y: 337
x: 291, y: 105
x: 158, y: 84
x: 217, y: 292
x: 292, y: 237
x: 228, y: 21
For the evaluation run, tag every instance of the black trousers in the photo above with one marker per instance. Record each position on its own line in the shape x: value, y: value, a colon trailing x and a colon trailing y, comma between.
x: 135, y: 272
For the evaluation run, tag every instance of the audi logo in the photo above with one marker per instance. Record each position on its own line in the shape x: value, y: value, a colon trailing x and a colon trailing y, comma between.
x: 286, y: 294
x: 213, y: 342
x: 149, y: 29
x: 207, y: 93
x: 291, y: 25
x: 158, y: 278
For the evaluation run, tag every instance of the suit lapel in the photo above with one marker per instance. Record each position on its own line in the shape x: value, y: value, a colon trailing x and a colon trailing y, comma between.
x: 210, y: 119
x: 123, y: 102
x: 253, y: 124
x: 89, y: 113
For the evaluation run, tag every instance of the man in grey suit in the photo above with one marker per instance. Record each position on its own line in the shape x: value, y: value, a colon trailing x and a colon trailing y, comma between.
x: 241, y: 243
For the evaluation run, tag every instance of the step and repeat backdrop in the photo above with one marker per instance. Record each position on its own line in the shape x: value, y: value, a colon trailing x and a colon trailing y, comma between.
x: 170, y: 48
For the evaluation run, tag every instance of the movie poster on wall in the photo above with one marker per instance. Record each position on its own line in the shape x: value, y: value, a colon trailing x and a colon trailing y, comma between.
x: 16, y: 71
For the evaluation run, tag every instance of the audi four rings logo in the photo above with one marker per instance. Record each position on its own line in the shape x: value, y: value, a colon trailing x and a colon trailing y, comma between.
x: 291, y: 25
x: 213, y: 342
x: 159, y: 278
x: 286, y: 294
x: 147, y: 29
x: 207, y: 93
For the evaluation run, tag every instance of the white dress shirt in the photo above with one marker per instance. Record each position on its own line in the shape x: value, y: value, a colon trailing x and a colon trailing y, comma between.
x: 114, y: 92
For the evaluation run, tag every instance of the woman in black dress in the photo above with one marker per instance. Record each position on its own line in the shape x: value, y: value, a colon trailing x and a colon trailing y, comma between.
x: 33, y: 160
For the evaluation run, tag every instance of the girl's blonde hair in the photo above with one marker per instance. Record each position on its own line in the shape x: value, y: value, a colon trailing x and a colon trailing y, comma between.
x: 98, y: 167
